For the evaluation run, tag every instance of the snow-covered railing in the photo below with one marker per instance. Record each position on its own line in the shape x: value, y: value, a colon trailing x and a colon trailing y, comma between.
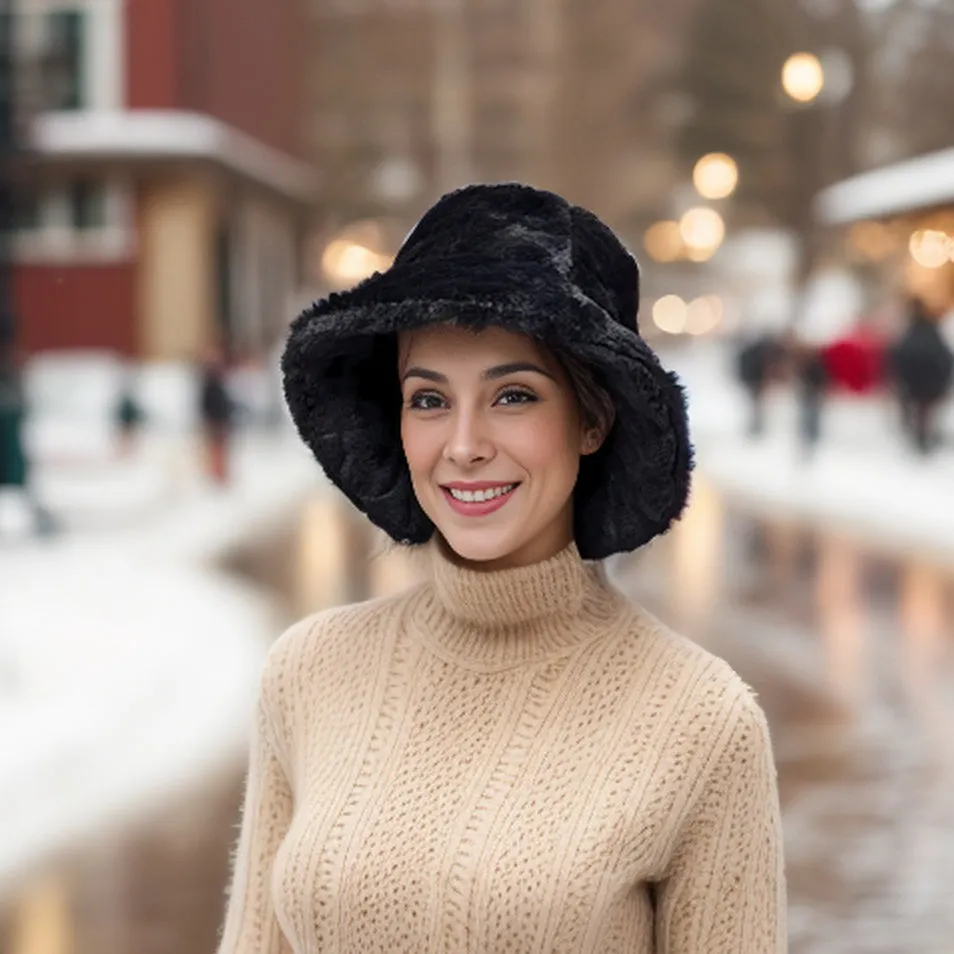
x: 909, y: 186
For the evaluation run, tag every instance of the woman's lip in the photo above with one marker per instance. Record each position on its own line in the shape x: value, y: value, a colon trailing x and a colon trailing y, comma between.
x: 476, y: 508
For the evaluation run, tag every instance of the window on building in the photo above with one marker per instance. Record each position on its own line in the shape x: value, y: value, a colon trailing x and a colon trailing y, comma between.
x: 65, y: 60
x: 79, y: 205
x: 70, y: 220
x: 87, y: 202
x: 20, y: 210
x: 26, y: 210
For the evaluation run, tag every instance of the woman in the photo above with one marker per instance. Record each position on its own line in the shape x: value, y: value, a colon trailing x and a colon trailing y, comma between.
x: 509, y: 757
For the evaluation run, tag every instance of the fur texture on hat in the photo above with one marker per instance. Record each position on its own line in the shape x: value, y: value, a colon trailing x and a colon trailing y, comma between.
x: 525, y: 260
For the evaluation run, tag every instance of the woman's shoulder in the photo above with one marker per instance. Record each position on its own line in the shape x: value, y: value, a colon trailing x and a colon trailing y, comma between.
x: 702, y: 683
x: 331, y: 640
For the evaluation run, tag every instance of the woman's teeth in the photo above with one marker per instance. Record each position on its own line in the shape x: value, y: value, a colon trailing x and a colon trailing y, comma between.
x: 478, y: 496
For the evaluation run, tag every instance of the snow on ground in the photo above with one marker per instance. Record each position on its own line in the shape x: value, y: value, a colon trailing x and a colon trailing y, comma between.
x: 126, y: 685
x: 128, y: 662
x: 862, y: 481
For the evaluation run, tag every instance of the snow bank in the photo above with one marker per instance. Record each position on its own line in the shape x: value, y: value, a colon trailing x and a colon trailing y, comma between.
x: 128, y: 662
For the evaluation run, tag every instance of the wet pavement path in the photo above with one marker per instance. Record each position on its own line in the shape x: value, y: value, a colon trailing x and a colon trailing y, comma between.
x: 852, y: 657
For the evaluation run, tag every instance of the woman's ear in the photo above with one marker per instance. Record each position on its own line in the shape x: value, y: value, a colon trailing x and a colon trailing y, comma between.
x: 594, y: 435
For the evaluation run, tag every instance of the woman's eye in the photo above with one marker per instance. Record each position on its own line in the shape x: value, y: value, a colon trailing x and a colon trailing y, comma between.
x: 426, y: 401
x: 514, y: 396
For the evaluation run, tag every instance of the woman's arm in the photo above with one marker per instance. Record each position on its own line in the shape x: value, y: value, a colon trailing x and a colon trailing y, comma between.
x: 250, y: 924
x: 725, y: 890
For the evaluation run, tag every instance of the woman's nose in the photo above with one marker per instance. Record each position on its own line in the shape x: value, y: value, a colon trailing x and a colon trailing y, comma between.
x: 469, y: 442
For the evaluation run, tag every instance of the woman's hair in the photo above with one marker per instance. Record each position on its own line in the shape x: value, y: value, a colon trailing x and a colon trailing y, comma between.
x: 597, y: 409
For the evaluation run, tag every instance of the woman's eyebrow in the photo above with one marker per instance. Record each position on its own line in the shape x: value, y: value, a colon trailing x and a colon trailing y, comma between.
x: 491, y: 374
x: 426, y: 374
x: 502, y: 370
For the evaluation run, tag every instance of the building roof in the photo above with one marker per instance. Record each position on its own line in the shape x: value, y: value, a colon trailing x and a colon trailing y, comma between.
x: 170, y: 135
x: 920, y: 183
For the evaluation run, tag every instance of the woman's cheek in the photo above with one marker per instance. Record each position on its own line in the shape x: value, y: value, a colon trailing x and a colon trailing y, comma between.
x: 542, y: 439
x: 416, y: 443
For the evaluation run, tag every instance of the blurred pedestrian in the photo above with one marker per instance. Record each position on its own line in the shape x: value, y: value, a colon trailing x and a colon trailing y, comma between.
x: 216, y: 412
x: 244, y: 383
x: 811, y: 387
x: 129, y: 416
x: 510, y: 756
x: 756, y: 361
x: 921, y: 367
x: 855, y: 362
x: 14, y: 463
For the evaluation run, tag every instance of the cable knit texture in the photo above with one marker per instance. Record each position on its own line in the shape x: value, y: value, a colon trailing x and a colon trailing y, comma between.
x: 518, y: 761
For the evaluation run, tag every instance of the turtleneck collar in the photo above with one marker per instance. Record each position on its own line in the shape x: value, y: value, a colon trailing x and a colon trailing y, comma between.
x: 499, y: 619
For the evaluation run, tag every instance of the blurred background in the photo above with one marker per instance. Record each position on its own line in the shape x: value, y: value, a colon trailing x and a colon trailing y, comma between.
x: 178, y: 177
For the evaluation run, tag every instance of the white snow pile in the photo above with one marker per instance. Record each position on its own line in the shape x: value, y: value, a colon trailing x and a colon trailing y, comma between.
x: 129, y: 663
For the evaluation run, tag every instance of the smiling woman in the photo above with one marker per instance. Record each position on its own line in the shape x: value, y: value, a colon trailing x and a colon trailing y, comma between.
x: 509, y: 756
x: 493, y: 436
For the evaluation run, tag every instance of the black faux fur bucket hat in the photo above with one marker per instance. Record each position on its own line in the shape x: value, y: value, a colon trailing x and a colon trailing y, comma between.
x: 525, y: 260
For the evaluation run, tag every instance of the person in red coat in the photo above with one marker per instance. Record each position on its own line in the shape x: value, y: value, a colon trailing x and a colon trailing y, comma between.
x: 855, y: 363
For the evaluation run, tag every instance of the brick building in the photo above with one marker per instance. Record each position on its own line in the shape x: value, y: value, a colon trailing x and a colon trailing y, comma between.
x: 167, y: 189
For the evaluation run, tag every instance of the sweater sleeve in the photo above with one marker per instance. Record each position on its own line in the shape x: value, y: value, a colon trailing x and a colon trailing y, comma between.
x: 250, y: 924
x: 724, y: 892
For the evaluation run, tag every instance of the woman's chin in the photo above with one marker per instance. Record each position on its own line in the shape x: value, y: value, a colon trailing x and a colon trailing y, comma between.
x: 479, y: 548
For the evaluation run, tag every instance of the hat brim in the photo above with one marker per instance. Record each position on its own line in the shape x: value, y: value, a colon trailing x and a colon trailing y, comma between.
x: 341, y: 385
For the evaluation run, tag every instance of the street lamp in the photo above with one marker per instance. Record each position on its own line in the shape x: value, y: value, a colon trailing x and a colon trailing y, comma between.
x: 715, y: 176
x: 803, y: 77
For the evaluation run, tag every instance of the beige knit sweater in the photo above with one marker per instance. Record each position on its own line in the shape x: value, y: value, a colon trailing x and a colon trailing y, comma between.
x: 518, y: 761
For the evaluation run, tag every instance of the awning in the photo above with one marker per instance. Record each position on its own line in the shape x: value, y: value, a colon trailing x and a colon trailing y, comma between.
x: 158, y: 135
x: 921, y: 183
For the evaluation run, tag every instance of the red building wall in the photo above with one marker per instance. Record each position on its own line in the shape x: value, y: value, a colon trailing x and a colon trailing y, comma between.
x: 152, y: 70
x: 241, y: 61
x: 76, y: 306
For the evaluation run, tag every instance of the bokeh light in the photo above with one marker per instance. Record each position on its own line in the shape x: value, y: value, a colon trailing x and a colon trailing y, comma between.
x: 669, y: 314
x: 663, y: 241
x: 704, y: 315
x: 715, y: 176
x: 873, y: 241
x: 803, y: 77
x: 931, y: 248
x: 346, y: 262
x: 702, y: 229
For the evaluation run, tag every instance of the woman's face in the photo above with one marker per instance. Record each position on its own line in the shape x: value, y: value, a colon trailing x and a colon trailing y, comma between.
x: 493, y: 440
